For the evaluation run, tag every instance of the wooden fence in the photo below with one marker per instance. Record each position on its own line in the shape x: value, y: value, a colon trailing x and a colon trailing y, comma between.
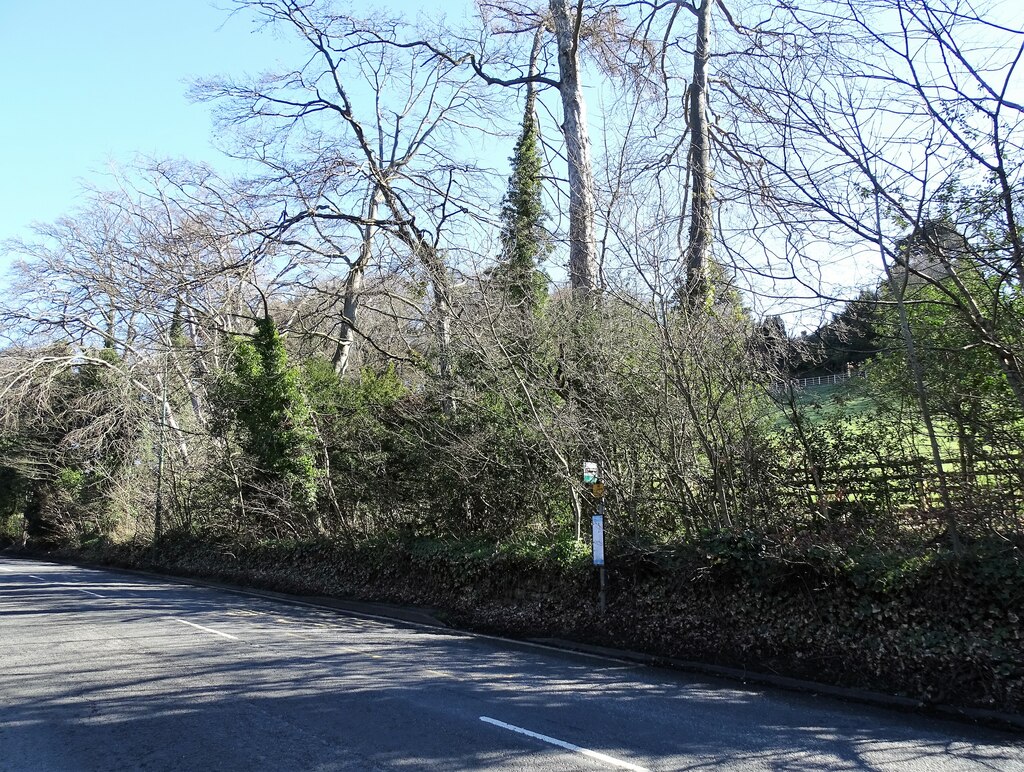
x: 990, y: 489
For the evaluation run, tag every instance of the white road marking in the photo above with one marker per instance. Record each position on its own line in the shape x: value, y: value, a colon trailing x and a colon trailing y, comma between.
x: 387, y: 621
x: 8, y: 570
x: 88, y: 592
x: 567, y: 746
x: 544, y: 646
x: 391, y: 621
x: 37, y: 578
x: 206, y: 629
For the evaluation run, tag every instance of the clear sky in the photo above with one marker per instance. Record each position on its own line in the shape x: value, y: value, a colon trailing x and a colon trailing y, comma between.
x: 87, y: 83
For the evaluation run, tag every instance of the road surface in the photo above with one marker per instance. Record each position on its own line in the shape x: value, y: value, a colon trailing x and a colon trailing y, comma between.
x: 108, y: 671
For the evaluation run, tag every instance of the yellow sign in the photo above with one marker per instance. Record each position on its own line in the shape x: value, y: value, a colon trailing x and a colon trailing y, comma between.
x: 598, y: 490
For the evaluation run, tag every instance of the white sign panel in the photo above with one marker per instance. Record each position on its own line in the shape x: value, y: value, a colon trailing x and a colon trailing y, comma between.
x: 589, y: 472
x: 598, y: 527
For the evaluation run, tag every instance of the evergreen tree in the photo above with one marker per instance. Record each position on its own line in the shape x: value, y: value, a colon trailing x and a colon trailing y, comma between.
x: 523, y: 238
x: 263, y: 396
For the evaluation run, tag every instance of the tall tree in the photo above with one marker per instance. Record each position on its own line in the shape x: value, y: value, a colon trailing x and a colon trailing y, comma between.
x: 262, y: 398
x: 698, y: 245
x: 383, y: 138
x: 568, y: 23
x: 523, y: 236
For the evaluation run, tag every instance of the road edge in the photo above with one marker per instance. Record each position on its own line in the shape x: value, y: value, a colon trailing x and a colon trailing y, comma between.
x: 425, y: 617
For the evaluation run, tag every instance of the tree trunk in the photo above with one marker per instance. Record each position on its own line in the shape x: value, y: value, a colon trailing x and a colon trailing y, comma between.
x: 582, y: 242
x: 898, y: 290
x: 699, y: 243
x: 354, y: 286
x: 440, y: 281
x: 443, y: 336
x: 171, y: 421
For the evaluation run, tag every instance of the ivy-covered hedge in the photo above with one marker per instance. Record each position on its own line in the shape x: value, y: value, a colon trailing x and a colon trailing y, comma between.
x: 921, y: 623
x: 926, y: 625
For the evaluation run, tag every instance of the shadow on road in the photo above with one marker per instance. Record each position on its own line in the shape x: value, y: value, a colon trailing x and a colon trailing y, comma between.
x: 116, y: 683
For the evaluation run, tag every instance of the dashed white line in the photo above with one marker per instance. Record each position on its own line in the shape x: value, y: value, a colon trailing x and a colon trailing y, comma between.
x: 567, y: 746
x: 206, y: 629
x: 40, y: 579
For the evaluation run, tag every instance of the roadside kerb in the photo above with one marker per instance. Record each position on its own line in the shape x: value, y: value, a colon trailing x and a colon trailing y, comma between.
x: 423, y: 617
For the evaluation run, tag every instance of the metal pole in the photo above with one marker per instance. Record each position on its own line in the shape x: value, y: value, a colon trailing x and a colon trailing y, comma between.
x: 602, y: 595
x: 158, y: 514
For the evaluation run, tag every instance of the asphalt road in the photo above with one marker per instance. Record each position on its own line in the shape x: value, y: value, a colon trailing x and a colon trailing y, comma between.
x: 108, y: 671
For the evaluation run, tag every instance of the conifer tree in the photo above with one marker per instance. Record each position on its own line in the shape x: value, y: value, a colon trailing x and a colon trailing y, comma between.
x: 523, y: 236
x: 264, y: 398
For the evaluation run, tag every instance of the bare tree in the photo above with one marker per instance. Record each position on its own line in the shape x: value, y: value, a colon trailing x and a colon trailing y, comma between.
x: 395, y: 142
x: 568, y: 23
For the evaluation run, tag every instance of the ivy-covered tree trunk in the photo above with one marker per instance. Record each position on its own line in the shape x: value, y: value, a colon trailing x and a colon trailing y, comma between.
x: 699, y: 243
x: 263, y: 398
x: 522, y: 233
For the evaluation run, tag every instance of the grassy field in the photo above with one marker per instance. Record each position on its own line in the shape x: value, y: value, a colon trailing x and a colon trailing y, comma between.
x: 851, y: 399
x: 854, y: 400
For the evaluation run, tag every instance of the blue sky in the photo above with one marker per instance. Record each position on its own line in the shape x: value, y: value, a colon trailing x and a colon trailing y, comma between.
x: 88, y: 83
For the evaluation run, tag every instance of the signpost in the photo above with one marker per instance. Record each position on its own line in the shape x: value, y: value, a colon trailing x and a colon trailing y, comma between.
x: 598, y: 529
x: 597, y: 489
